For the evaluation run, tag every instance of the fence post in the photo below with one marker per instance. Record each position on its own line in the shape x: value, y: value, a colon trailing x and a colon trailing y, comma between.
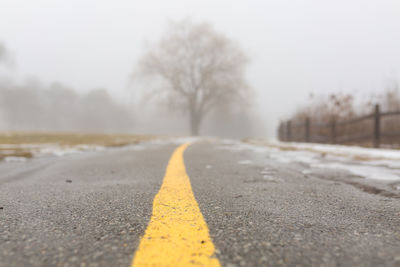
x: 279, y: 131
x: 333, y: 131
x: 284, y: 131
x: 289, y: 131
x: 377, y: 127
x: 307, y: 130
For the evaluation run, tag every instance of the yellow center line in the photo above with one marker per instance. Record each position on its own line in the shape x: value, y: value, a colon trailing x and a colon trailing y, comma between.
x: 177, y: 234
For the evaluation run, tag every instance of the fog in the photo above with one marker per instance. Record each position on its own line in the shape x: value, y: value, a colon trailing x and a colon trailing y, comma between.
x: 295, y: 48
x: 32, y: 106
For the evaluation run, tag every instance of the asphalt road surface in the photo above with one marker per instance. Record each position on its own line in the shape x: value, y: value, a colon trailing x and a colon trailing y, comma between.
x: 92, y: 209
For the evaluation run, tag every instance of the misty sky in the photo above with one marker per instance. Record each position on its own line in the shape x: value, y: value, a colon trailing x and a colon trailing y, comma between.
x: 296, y: 46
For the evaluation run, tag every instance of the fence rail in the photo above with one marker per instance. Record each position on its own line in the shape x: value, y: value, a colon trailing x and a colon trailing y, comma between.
x: 333, y: 132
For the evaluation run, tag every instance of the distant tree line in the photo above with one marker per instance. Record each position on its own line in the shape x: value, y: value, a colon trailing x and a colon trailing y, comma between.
x: 35, y: 107
x: 59, y: 108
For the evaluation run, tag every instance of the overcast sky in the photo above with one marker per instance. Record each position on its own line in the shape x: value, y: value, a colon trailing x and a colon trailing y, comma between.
x: 296, y: 46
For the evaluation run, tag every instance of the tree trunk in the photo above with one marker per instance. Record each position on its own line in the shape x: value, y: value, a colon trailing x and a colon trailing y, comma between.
x: 194, y: 122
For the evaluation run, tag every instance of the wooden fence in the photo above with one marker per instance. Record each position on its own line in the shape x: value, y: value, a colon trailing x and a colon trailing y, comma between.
x: 362, y: 130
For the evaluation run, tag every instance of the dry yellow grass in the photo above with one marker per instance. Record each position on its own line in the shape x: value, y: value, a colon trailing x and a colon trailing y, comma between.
x: 24, y: 144
x: 70, y: 139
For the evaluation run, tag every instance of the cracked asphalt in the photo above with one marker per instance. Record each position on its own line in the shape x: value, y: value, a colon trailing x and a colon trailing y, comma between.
x: 91, y: 209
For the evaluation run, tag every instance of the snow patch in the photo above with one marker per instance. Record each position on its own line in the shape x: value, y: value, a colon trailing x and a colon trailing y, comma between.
x: 375, y: 164
x: 306, y: 172
x: 59, y: 151
x: 272, y: 178
x: 174, y: 140
x: 15, y: 159
x: 368, y: 172
x: 343, y: 151
x: 267, y: 171
x: 245, y: 162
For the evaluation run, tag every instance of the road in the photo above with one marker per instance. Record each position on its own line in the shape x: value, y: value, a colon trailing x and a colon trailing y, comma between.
x: 93, y: 209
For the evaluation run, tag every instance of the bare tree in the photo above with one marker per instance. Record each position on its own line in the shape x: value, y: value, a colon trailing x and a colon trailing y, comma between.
x: 197, y: 69
x: 2, y: 52
x: 5, y: 58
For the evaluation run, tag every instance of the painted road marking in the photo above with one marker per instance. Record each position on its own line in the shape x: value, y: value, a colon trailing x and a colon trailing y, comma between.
x: 177, y: 234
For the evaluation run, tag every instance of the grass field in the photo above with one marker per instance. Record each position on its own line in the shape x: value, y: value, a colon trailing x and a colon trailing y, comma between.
x: 27, y: 144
